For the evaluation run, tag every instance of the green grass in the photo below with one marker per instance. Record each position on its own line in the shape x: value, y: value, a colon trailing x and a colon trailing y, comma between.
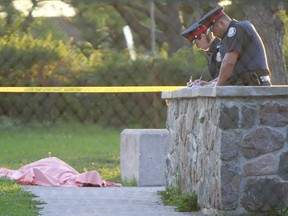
x: 184, y: 203
x: 84, y: 147
x: 15, y: 201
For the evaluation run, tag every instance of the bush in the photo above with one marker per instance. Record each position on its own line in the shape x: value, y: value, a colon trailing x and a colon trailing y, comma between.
x: 27, y: 61
x: 172, y: 196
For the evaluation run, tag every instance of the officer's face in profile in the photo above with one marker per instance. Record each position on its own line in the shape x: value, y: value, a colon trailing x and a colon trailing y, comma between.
x: 202, y: 43
x: 216, y: 28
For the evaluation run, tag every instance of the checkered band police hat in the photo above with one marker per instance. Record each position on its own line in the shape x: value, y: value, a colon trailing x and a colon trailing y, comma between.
x: 193, y: 32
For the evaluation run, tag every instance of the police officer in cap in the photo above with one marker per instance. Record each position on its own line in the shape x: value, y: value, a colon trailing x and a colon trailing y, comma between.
x: 197, y: 34
x: 244, y: 60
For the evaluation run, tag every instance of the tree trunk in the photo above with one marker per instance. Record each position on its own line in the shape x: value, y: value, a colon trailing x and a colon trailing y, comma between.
x: 271, y: 29
x: 167, y: 19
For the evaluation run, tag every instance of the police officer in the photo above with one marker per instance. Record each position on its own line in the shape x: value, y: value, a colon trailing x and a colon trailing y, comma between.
x: 211, y: 45
x: 244, y: 60
x: 197, y: 34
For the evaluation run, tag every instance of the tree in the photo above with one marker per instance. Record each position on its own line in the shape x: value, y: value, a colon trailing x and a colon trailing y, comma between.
x: 166, y: 19
x: 271, y: 29
x: 172, y: 17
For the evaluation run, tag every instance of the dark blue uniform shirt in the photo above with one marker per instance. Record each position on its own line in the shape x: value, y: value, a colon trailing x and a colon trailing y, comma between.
x: 214, y: 58
x: 242, y: 37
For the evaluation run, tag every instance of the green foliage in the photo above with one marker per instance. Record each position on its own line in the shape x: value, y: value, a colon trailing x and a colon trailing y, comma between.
x: 43, y: 27
x: 273, y: 211
x: 35, y: 62
x: 99, y: 24
x: 172, y: 196
x: 117, y: 69
x: 16, y: 201
x: 188, y: 203
x: 26, y: 60
x: 29, y: 61
x: 132, y: 183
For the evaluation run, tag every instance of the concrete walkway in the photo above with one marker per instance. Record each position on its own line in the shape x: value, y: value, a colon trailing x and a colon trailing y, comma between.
x: 109, y: 201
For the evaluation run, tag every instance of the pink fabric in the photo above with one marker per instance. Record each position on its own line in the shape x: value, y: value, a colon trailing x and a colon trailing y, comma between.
x: 54, y: 172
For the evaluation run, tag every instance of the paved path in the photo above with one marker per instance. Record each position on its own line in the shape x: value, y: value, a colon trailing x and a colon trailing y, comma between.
x: 109, y: 201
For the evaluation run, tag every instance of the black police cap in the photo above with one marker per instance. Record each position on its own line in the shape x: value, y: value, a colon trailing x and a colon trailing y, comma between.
x: 212, y: 16
x: 193, y: 32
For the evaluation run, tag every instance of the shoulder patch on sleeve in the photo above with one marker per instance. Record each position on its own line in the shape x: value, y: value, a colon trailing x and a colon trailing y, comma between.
x: 231, y: 32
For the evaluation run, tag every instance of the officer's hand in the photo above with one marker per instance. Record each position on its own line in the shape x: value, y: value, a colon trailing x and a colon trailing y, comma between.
x: 190, y: 84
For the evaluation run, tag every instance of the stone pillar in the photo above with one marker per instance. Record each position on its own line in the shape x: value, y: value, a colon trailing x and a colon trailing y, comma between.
x: 142, y: 156
x: 230, y: 145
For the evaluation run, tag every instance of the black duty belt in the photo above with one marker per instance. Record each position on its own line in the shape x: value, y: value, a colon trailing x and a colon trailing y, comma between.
x: 252, y: 78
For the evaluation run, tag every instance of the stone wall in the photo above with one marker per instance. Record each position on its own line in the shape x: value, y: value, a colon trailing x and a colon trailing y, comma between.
x: 230, y: 145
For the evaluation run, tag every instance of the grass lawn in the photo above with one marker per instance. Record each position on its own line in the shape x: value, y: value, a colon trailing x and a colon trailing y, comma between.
x: 15, y: 201
x: 84, y: 147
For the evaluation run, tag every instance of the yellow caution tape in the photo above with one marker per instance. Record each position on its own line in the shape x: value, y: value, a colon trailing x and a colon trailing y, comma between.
x: 98, y: 89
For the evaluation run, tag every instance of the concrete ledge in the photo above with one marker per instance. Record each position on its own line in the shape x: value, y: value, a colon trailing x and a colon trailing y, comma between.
x: 227, y: 91
x: 142, y: 156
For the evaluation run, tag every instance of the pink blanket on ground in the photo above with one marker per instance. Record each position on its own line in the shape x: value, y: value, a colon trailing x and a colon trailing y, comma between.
x: 54, y: 172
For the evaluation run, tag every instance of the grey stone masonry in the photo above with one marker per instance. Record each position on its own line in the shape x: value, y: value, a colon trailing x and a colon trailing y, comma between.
x: 229, y: 144
x: 142, y: 156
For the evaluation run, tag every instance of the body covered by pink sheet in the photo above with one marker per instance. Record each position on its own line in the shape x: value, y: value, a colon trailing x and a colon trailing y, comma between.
x: 54, y: 172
